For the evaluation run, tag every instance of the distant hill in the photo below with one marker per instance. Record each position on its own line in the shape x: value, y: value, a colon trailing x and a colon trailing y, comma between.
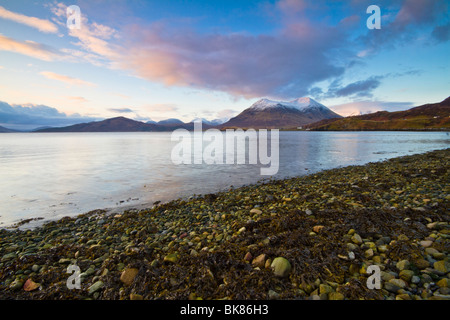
x: 271, y: 114
x: 6, y: 130
x: 170, y: 121
x: 435, y: 116
x: 119, y: 124
x: 122, y: 124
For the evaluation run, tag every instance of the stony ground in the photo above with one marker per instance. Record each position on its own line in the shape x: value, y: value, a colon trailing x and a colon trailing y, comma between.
x: 313, y: 237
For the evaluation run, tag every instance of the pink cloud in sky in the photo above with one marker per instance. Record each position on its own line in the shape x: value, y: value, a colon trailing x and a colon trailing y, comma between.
x: 39, y: 24
x: 66, y: 79
x: 29, y: 48
x: 240, y: 64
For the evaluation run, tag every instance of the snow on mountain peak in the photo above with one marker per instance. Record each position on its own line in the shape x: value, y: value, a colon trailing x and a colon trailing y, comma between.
x: 299, y: 104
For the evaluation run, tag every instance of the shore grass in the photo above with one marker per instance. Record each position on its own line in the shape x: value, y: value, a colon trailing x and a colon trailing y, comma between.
x: 328, y: 227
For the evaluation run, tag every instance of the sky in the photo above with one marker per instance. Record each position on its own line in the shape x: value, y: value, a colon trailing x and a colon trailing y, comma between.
x: 153, y: 60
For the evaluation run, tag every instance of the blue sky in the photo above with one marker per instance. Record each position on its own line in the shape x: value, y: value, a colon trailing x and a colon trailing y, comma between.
x: 212, y: 59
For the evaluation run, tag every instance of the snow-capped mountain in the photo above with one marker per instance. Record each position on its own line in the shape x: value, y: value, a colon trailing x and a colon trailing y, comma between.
x: 267, y: 113
x: 214, y: 122
x: 300, y: 104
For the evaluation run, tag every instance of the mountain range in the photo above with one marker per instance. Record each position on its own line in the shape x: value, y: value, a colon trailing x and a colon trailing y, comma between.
x: 433, y: 116
x: 302, y: 113
x: 262, y: 114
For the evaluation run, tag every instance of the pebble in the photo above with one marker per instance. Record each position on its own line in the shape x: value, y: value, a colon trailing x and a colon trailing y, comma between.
x: 30, y: 285
x: 128, y: 275
x: 172, y: 258
x: 442, y: 266
x: 356, y: 238
x: 96, y: 287
x: 259, y: 261
x: 248, y: 257
x: 134, y: 296
x: 273, y: 295
x: 402, y: 265
x: 255, y: 211
x: 281, y: 267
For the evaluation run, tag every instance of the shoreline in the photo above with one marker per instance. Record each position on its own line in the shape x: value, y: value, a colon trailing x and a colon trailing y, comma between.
x: 330, y: 226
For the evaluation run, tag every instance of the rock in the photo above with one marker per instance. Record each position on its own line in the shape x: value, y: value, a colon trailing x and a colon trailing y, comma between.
x: 30, y: 285
x: 402, y: 265
x: 415, y: 279
x: 422, y: 264
x: 16, y: 284
x: 426, y: 243
x: 403, y: 296
x: 324, y: 288
x: 368, y: 253
x: 35, y: 268
x: 256, y: 211
x: 172, y: 258
x: 435, y: 253
x: 9, y: 256
x: 259, y: 261
x: 406, y: 275
x: 96, y: 287
x: 432, y: 225
x: 317, y: 229
x: 443, y: 283
x: 351, y: 255
x: 386, y: 276
x: 356, y: 238
x: 402, y: 237
x: 134, y: 296
x: 64, y: 261
x: 248, y: 257
x: 442, y: 266
x: 281, y: 267
x: 273, y: 295
x: 398, y: 282
x: 391, y: 287
x: 128, y: 275
x: 308, y: 212
x: 335, y: 296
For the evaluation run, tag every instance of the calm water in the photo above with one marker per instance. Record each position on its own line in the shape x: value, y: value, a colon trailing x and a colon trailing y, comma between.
x: 52, y: 175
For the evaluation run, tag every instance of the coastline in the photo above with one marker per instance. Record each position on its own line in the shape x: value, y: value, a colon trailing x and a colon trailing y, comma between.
x: 330, y: 226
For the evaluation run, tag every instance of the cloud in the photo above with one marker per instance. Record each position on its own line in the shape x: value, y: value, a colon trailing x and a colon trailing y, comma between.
x: 78, y: 99
x: 413, y: 18
x: 93, y: 39
x: 283, y: 65
x: 361, y: 88
x: 441, y: 33
x: 161, y: 107
x: 29, y: 48
x: 291, y: 6
x: 366, y: 106
x: 357, y: 89
x: 121, y: 110
x: 66, y: 79
x: 30, y: 116
x: 39, y: 24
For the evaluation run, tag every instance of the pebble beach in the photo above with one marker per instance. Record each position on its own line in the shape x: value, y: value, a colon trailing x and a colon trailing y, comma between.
x: 314, y: 237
